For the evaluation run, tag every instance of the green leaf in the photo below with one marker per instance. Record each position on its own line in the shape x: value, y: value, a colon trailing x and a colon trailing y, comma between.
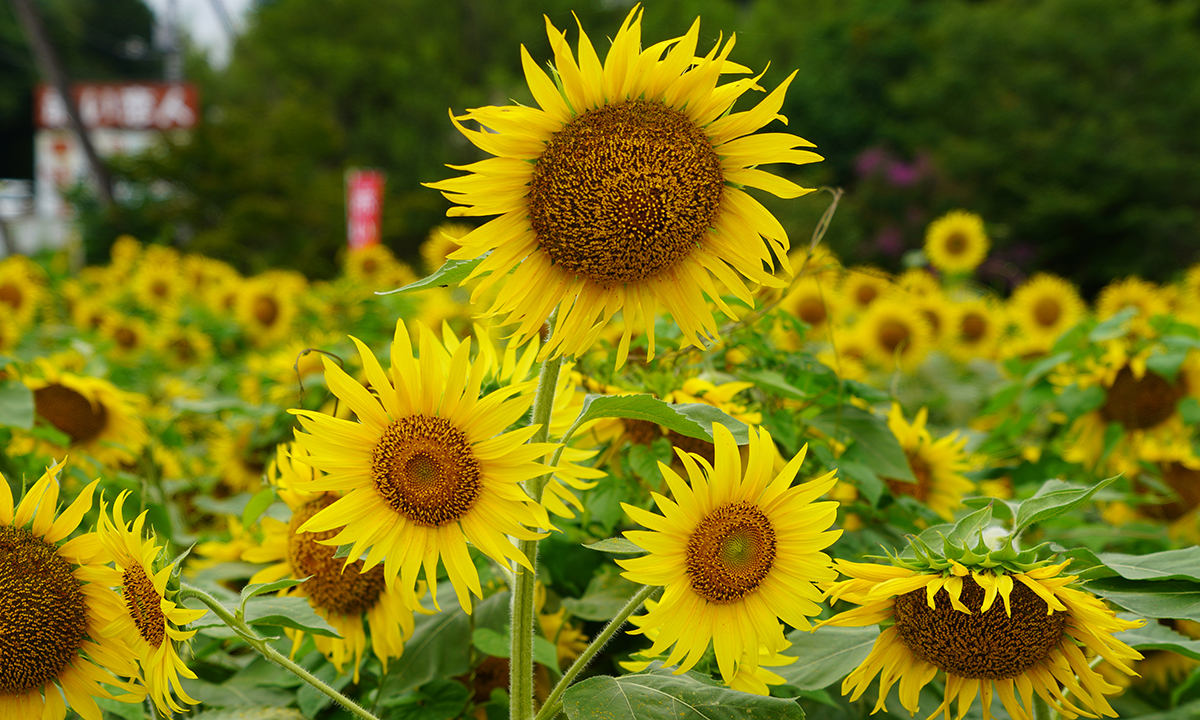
x: 826, y: 655
x: 452, y: 273
x: 968, y: 531
x: 775, y: 383
x: 490, y: 642
x: 644, y: 460
x: 617, y: 545
x: 257, y: 589
x: 1075, y: 401
x: 663, y: 696
x: 1054, y: 498
x: 1167, y: 363
x: 257, y: 506
x: 880, y: 450
x: 1170, y: 565
x: 242, y: 713
x: 441, y: 699
x: 690, y: 419
x: 1156, y: 636
x: 866, y: 479
x: 1043, y: 366
x: 1157, y: 599
x: 604, y: 597
x: 292, y: 612
x: 1114, y: 327
x: 1189, y: 410
x: 16, y: 405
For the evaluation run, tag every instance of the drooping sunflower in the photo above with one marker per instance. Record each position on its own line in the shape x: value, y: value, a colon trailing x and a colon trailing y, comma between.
x: 937, y: 465
x: 339, y: 592
x: 737, y: 550
x: 956, y: 242
x: 150, y: 623
x: 1045, y: 307
x: 55, y: 609
x: 99, y: 418
x: 896, y: 333
x: 427, y: 468
x: 623, y: 192
x: 948, y: 619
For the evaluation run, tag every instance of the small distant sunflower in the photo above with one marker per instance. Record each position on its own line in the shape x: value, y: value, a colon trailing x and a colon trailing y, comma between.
x: 863, y: 285
x: 1045, y: 307
x: 20, y: 293
x: 183, y: 345
x: 919, y: 282
x: 938, y: 311
x: 376, y: 267
x: 10, y: 334
x: 427, y: 468
x: 1189, y: 294
x: 130, y: 335
x: 1133, y: 292
x: 738, y: 550
x: 896, y: 333
x: 442, y: 241
x: 54, y: 611
x: 99, y: 418
x: 815, y: 302
x: 1033, y: 640
x: 956, y: 242
x: 150, y: 623
x: 267, y: 305
x: 623, y: 192
x: 158, y: 286
x: 937, y: 465
x: 339, y: 592
x: 239, y: 454
x: 976, y: 329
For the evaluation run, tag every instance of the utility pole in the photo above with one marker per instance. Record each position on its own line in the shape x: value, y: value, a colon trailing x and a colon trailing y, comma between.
x: 51, y: 69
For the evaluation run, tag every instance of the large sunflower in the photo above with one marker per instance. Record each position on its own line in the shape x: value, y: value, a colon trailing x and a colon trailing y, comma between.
x: 623, y: 192
x: 956, y: 242
x: 338, y: 592
x: 427, y: 468
x: 150, y: 623
x: 738, y: 550
x: 1033, y: 640
x: 937, y: 465
x: 55, y: 609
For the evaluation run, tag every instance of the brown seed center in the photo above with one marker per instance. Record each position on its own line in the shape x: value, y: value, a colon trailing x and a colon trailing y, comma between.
x: 730, y: 553
x: 956, y: 244
x: 1047, y: 311
x: 424, y: 469
x: 919, y: 489
x: 865, y: 295
x: 43, y: 614
x: 11, y: 296
x: 893, y: 335
x: 641, y: 432
x: 812, y: 311
x: 144, y: 604
x: 266, y: 310
x: 624, y: 192
x: 988, y: 645
x: 973, y: 327
x: 1141, y: 404
x: 70, y: 412
x: 347, y: 591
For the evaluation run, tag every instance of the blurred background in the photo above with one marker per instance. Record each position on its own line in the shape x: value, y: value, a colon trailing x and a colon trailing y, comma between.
x: 1071, y: 126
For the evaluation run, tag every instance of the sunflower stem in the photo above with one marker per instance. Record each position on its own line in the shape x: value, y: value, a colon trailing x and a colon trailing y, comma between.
x: 1041, y: 711
x: 554, y: 700
x: 246, y: 633
x: 520, y: 681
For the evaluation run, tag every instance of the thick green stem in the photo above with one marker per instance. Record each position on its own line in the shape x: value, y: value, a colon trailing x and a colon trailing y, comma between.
x: 1041, y: 711
x: 245, y: 632
x: 520, y: 681
x: 554, y: 701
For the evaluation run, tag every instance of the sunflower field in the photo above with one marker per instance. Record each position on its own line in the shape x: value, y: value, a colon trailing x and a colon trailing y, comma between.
x: 620, y: 449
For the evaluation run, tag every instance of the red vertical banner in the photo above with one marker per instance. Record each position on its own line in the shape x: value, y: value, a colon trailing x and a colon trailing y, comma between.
x: 364, y: 207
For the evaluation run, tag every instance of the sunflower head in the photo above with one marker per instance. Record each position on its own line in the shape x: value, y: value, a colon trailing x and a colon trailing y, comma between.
x: 624, y: 191
x: 956, y: 242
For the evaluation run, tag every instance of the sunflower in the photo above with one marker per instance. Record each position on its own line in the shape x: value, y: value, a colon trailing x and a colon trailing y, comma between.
x: 1033, y: 640
x: 158, y: 284
x: 937, y: 465
x: 55, y: 610
x: 919, y: 282
x: 149, y: 623
x: 847, y: 352
x: 956, y: 242
x: 976, y: 329
x: 129, y: 335
x: 10, y: 334
x: 183, y: 345
x: 1144, y: 297
x: 738, y: 550
x: 937, y: 310
x: 339, y: 592
x: 266, y: 305
x: 1045, y: 307
x: 427, y: 468
x: 1189, y: 294
x: 97, y: 417
x: 442, y: 240
x: 624, y: 191
x: 20, y: 292
x: 896, y: 333
x: 238, y: 454
x: 377, y: 268
x: 814, y: 302
x: 863, y: 285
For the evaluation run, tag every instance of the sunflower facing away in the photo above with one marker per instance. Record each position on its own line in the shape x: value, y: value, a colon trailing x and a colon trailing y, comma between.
x: 738, y: 550
x: 150, y: 623
x: 338, y: 592
x: 427, y: 468
x: 624, y: 191
x: 54, y: 609
x: 1033, y: 640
